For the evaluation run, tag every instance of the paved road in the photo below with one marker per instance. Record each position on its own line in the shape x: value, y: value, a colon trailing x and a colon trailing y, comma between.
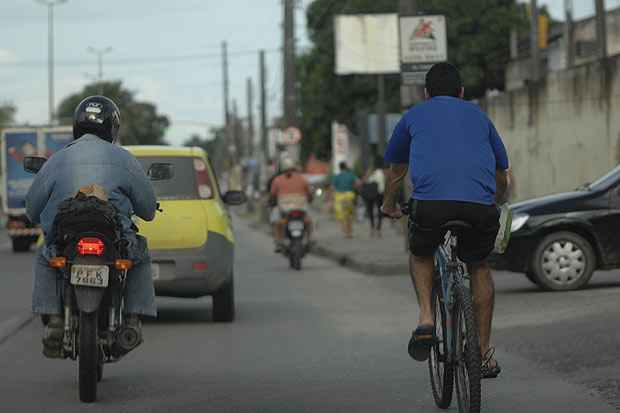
x: 322, y: 340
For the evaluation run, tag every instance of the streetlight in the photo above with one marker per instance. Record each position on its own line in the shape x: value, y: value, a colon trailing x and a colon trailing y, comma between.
x: 50, y: 50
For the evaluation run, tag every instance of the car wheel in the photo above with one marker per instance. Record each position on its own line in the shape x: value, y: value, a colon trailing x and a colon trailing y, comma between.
x: 224, y: 303
x: 531, y: 276
x: 563, y: 261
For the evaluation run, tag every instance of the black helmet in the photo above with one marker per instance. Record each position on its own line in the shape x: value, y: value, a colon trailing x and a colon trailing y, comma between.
x: 97, y: 115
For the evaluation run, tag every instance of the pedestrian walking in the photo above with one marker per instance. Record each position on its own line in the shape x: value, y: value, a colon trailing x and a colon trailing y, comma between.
x: 371, y: 191
x: 343, y: 187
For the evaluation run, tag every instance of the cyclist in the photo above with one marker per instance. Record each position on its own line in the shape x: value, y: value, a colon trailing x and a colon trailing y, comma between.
x: 458, y: 167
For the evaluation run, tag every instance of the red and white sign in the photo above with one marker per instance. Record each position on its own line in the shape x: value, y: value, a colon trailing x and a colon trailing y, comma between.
x: 290, y: 136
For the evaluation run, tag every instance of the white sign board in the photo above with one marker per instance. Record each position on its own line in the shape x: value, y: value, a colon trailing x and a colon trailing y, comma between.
x: 340, y: 145
x: 367, y: 44
x: 423, y: 39
x: 290, y: 136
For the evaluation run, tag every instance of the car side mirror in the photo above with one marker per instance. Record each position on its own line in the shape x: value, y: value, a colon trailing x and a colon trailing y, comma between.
x: 161, y: 172
x: 33, y: 164
x: 234, y: 198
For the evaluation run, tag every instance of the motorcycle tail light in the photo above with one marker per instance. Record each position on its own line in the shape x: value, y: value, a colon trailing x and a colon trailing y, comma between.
x: 58, y: 262
x: 296, y: 214
x: 200, y: 266
x: 90, y: 246
x: 123, y: 264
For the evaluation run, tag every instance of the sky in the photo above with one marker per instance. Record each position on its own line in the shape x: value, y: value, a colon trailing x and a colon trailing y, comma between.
x: 146, y: 37
x: 154, y: 44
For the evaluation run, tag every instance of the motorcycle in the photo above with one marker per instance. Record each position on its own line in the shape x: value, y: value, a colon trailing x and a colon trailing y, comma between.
x: 92, y: 261
x: 295, y: 232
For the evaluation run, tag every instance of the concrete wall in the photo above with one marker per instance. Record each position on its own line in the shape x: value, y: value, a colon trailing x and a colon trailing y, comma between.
x: 565, y: 133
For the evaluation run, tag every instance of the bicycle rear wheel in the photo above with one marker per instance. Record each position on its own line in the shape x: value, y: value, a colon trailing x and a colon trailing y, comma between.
x: 440, y: 365
x: 467, y: 348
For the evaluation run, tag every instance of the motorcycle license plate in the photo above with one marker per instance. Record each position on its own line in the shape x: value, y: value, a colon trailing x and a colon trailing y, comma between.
x: 90, y: 275
x: 295, y: 226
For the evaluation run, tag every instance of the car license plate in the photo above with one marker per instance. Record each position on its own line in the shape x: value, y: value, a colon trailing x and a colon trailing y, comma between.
x: 295, y: 226
x: 155, y: 271
x: 90, y: 275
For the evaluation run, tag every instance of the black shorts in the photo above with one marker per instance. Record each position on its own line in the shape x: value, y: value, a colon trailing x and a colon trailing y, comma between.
x: 475, y: 245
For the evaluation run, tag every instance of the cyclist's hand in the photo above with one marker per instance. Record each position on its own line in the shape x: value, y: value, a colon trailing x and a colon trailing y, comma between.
x: 392, y: 212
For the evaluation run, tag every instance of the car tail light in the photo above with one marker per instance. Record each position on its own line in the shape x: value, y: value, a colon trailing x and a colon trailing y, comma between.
x: 203, y: 181
x: 200, y: 266
x: 90, y: 246
x: 58, y: 262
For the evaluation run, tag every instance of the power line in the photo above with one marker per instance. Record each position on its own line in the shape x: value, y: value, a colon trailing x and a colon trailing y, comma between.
x: 142, y: 60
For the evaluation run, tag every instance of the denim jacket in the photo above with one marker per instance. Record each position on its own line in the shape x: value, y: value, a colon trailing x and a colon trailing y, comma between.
x: 91, y: 160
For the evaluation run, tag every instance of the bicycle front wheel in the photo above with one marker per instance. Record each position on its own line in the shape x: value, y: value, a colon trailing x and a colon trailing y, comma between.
x: 467, y: 353
x: 439, y: 363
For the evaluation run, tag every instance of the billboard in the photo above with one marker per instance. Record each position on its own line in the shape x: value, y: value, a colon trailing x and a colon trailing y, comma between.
x: 367, y: 44
x: 340, y: 145
x: 423, y: 42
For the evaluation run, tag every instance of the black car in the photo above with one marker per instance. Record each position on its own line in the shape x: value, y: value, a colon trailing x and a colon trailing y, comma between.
x: 558, y: 241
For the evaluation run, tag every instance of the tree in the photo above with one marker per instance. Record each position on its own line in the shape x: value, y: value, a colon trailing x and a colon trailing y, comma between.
x: 478, y: 44
x: 140, y: 122
x: 7, y: 115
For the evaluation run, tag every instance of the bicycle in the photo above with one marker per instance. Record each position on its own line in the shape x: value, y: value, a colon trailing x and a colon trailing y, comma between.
x: 455, y: 354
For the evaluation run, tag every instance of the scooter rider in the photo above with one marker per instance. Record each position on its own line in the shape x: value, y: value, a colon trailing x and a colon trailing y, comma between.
x: 92, y: 158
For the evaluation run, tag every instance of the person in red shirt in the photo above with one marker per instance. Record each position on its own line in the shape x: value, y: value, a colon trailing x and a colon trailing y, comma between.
x: 292, y: 192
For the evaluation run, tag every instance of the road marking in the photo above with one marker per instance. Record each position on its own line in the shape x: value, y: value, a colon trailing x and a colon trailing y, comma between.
x: 13, y: 325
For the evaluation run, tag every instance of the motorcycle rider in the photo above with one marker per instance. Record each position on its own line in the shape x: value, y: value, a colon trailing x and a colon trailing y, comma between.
x: 291, y: 191
x: 92, y: 158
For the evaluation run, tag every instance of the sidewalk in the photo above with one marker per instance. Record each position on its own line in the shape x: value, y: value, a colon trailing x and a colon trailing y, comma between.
x: 373, y: 256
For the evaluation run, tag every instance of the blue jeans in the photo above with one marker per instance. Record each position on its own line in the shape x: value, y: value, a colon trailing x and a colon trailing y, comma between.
x: 139, y: 292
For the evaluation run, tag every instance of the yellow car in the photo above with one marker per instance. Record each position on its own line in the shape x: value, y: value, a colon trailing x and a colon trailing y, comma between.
x: 191, y: 242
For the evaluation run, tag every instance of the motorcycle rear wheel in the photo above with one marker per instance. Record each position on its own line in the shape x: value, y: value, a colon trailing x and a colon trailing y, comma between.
x: 88, y: 357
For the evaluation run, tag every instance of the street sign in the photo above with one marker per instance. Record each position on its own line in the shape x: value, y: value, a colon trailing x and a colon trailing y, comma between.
x: 423, y: 42
x: 290, y: 136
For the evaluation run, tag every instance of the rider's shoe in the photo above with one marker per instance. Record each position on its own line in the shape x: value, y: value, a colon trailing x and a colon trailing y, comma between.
x: 421, y: 342
x: 133, y: 321
x: 490, y: 368
x: 279, y: 247
x: 53, y: 336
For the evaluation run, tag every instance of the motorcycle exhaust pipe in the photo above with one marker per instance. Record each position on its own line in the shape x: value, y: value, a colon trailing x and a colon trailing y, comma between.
x: 127, y: 339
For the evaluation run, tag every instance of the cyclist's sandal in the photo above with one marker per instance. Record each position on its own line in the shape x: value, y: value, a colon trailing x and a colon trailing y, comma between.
x: 490, y: 369
x: 421, y: 342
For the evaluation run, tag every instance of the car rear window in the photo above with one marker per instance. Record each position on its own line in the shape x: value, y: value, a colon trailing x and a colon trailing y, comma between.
x: 183, y: 184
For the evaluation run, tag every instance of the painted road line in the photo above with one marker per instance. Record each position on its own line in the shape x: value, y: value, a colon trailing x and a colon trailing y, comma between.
x: 13, y: 325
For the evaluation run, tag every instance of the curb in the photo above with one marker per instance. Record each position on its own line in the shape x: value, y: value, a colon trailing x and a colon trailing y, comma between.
x: 13, y: 325
x: 345, y: 260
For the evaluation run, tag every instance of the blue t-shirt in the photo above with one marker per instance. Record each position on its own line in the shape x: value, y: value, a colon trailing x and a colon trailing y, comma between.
x: 452, y: 148
x: 344, y: 181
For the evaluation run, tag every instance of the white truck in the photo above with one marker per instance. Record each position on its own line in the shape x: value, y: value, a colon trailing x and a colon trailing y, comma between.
x: 16, y: 144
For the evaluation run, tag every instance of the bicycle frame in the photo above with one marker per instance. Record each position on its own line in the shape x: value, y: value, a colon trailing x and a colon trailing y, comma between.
x: 452, y: 272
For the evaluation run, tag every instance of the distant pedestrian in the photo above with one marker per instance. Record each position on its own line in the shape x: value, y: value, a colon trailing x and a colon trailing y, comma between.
x: 343, y: 189
x: 372, y: 193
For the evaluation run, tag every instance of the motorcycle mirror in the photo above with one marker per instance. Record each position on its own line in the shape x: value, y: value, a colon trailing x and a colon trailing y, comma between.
x: 33, y: 164
x: 161, y: 171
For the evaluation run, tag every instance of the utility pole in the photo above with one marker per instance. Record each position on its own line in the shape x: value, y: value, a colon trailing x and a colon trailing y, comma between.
x: 290, y: 92
x: 250, y: 102
x: 263, y: 105
x: 50, y: 53
x: 534, y: 50
x: 225, y: 85
x: 409, y: 94
x: 569, y: 34
x: 601, y: 28
x: 381, y: 115
x: 99, y: 53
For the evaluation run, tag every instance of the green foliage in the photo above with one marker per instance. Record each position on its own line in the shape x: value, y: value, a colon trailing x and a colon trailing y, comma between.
x: 7, y: 114
x: 478, y: 43
x: 140, y: 122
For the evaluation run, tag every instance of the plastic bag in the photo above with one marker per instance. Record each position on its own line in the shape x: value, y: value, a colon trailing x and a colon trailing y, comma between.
x: 503, y: 235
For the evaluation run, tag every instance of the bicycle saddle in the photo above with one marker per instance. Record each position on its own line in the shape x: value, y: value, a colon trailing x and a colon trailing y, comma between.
x: 456, y: 226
